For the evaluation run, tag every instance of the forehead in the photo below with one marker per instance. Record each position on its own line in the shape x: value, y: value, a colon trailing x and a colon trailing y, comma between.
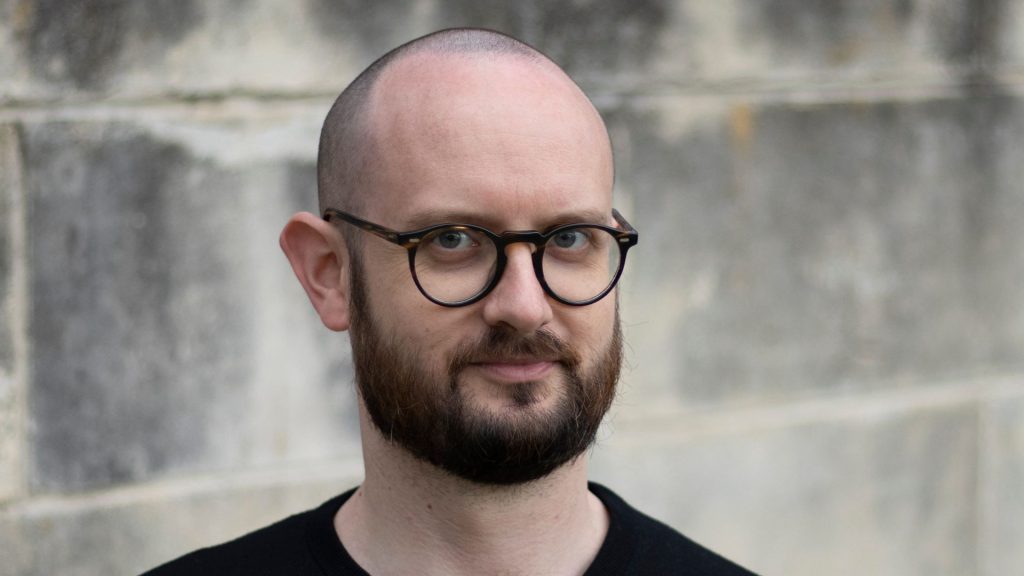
x: 508, y: 140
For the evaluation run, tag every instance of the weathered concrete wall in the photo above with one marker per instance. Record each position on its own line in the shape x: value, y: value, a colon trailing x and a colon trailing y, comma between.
x: 12, y: 315
x: 825, y: 316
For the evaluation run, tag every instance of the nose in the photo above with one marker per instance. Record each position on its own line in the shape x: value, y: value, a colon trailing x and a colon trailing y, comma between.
x: 518, y: 301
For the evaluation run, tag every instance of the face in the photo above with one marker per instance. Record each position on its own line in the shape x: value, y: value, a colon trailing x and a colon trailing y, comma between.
x: 511, y: 387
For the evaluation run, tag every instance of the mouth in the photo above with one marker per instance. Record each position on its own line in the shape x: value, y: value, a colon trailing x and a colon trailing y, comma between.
x: 513, y: 370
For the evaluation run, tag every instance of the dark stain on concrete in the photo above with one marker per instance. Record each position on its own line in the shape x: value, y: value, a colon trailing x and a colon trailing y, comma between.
x: 981, y: 124
x: 139, y: 333
x: 583, y: 36
x: 969, y: 32
x: 903, y: 9
x: 992, y: 208
x: 82, y: 42
x: 801, y: 22
x: 601, y: 37
x: 823, y: 32
x: 8, y: 140
x: 370, y: 27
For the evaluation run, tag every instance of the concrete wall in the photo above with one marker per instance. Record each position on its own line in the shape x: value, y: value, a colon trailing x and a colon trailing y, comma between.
x: 825, y: 314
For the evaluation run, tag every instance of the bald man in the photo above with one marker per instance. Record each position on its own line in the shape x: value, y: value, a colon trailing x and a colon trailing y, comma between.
x: 467, y: 242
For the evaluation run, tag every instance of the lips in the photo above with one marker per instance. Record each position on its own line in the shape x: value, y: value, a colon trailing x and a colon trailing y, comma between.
x: 515, y: 370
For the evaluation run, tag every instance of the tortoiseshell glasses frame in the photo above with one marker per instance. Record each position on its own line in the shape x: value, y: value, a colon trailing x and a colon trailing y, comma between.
x: 623, y: 238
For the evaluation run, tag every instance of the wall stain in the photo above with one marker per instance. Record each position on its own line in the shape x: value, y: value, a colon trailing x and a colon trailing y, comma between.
x: 136, y: 314
x: 365, y: 25
x: 8, y: 190
x: 741, y: 126
x: 969, y: 31
x: 798, y: 29
x: 580, y: 35
x: 81, y: 42
x: 604, y: 37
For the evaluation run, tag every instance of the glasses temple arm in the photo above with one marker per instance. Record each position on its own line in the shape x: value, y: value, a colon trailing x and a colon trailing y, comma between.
x: 385, y: 233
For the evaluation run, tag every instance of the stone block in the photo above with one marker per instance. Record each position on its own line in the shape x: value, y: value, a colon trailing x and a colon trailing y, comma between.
x: 1002, y: 474
x: 168, y: 333
x: 656, y: 45
x: 125, y: 49
x: 135, y: 530
x: 876, y: 491
x: 1011, y: 39
x: 861, y: 39
x: 637, y: 45
x: 10, y: 195
x: 11, y: 388
x: 118, y: 48
x: 787, y: 248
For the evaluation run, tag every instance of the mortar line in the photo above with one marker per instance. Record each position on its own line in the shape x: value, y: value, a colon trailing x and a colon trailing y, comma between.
x: 838, y: 94
x: 169, y: 489
x: 828, y: 88
x: 681, y: 424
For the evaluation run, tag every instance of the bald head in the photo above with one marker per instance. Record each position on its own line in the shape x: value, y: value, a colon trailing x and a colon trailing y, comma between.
x: 350, y: 145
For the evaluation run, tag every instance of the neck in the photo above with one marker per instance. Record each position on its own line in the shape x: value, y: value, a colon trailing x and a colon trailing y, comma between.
x: 410, y: 517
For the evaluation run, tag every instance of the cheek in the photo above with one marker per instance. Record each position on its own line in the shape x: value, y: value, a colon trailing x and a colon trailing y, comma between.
x: 592, y: 327
x: 393, y: 274
x: 416, y: 324
x: 391, y: 290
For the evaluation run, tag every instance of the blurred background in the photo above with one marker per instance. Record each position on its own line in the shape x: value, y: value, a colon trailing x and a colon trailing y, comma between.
x: 824, y: 317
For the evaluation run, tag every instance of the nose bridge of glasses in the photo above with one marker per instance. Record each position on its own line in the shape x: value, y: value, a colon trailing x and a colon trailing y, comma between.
x: 513, y: 260
x: 507, y: 239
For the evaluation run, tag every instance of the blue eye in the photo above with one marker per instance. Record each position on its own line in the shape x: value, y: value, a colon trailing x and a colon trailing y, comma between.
x: 570, y: 239
x: 453, y: 240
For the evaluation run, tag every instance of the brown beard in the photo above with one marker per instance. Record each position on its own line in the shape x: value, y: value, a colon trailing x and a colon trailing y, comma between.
x: 431, y: 418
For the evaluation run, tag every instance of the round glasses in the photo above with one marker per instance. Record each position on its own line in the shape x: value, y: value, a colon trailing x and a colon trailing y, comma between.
x: 458, y: 264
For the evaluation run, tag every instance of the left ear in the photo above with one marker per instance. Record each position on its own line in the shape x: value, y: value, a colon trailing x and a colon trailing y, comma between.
x: 319, y: 258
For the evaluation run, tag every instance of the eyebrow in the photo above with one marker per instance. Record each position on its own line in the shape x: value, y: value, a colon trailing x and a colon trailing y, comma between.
x: 433, y: 217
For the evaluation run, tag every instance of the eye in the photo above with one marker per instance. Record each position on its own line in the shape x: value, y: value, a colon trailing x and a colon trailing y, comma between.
x: 453, y: 239
x: 570, y: 239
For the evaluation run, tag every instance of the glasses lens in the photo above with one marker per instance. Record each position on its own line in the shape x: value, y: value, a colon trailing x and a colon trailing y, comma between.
x: 455, y: 263
x: 580, y: 262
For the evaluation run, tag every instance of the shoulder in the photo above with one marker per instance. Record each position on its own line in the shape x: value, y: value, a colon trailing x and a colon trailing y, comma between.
x: 277, y: 549
x: 638, y: 544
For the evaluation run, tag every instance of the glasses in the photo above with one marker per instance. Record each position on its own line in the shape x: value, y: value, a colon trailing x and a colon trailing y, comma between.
x: 458, y: 264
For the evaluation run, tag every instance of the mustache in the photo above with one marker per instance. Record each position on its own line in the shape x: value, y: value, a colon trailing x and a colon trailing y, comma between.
x: 499, y: 344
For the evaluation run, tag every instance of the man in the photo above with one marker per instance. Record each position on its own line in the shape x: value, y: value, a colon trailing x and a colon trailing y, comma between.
x: 468, y: 243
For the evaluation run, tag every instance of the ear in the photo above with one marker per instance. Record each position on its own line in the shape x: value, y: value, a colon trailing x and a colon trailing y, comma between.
x: 317, y: 253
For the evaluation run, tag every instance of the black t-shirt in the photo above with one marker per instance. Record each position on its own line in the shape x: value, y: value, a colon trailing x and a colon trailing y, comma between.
x: 307, y: 545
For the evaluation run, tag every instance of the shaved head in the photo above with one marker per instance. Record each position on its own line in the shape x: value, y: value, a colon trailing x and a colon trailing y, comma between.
x: 350, y: 152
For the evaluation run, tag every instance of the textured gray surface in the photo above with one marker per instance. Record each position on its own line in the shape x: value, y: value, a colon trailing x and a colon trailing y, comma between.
x: 827, y: 245
x: 862, y: 492
x: 148, y: 332
x: 11, y: 389
x: 1002, y: 476
x: 135, y: 532
x: 824, y: 316
x: 54, y: 50
x: 9, y: 187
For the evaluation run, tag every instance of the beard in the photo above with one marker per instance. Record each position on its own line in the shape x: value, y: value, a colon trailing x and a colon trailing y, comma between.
x: 433, y: 418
